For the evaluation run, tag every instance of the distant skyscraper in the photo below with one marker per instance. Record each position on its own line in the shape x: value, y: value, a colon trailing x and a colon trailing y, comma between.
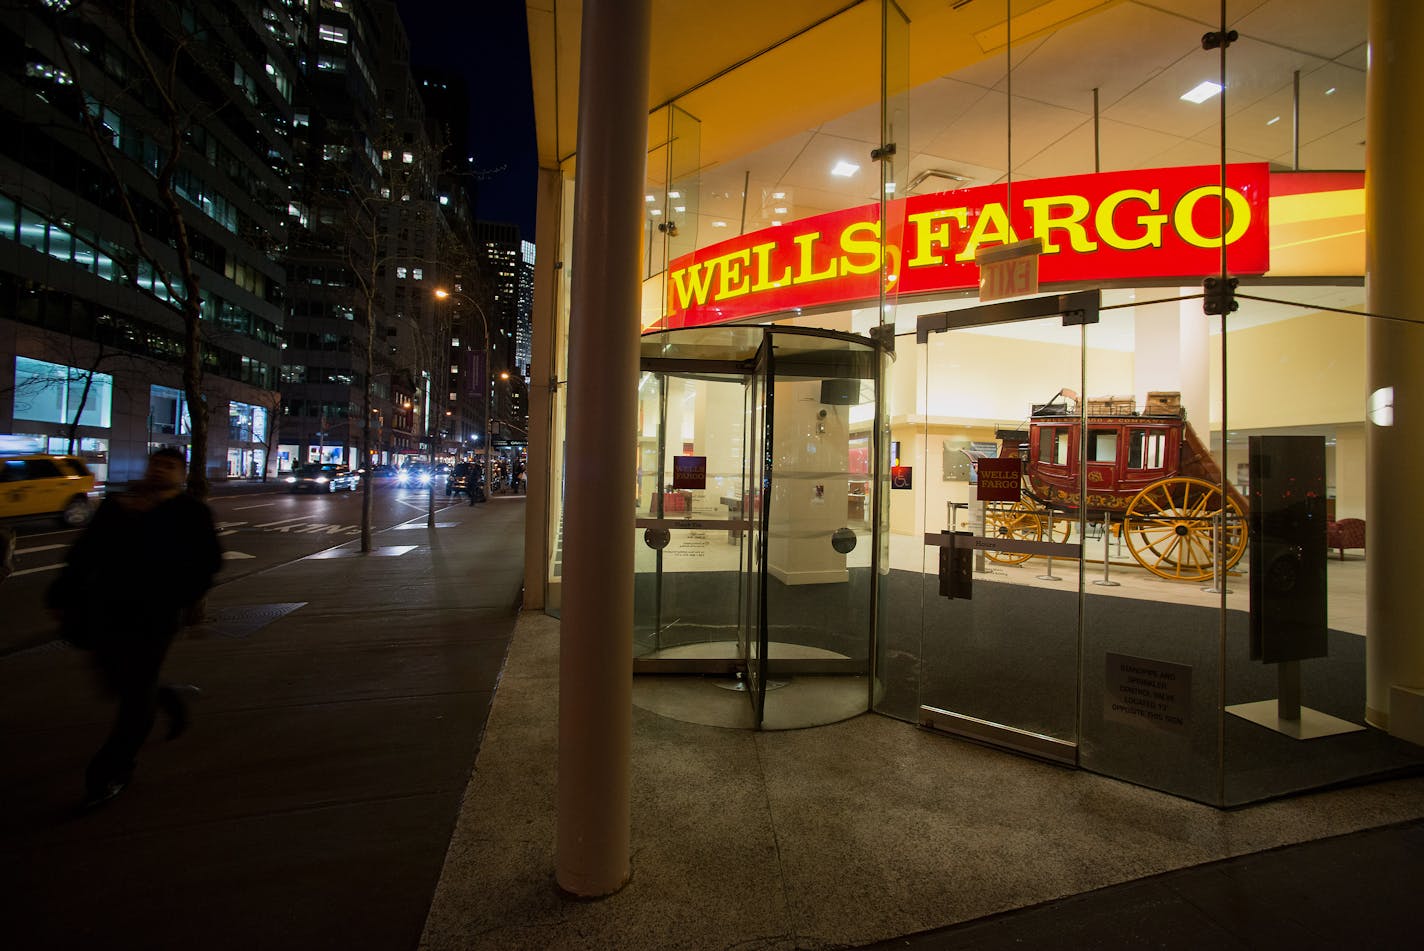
x: 523, y: 335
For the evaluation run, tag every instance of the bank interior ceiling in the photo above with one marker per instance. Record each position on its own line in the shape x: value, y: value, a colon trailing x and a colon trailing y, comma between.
x: 1140, y: 55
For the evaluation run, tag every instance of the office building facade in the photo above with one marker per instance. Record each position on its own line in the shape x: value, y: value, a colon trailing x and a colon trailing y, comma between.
x: 91, y: 328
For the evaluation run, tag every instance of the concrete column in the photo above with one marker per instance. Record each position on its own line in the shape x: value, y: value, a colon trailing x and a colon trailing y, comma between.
x: 1171, y: 344
x: 596, y: 641
x: 1350, y: 454
x: 1394, y: 285
x: 544, y: 333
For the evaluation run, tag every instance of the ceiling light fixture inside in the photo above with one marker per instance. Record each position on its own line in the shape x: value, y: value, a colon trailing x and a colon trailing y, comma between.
x: 1202, y: 91
x: 845, y: 169
x: 1273, y: 121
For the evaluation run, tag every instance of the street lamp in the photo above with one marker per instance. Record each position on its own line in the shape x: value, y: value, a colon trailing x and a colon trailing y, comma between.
x: 443, y: 294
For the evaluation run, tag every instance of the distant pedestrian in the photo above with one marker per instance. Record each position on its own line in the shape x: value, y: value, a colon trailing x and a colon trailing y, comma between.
x: 7, y: 552
x: 147, y: 557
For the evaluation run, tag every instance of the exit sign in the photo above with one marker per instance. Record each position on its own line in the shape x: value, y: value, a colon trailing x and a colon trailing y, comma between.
x: 1012, y: 278
x: 1009, y: 270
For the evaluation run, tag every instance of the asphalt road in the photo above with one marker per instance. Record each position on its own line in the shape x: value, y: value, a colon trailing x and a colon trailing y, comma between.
x: 261, y: 527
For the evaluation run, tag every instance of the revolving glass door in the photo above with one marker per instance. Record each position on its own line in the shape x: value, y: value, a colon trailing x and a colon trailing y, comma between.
x: 756, y: 532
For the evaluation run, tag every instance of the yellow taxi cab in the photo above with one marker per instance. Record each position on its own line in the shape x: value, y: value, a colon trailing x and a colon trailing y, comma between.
x: 40, y: 485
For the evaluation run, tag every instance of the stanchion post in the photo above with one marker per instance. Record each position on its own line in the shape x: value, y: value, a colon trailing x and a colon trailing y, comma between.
x: 1107, y: 582
x: 1048, y: 574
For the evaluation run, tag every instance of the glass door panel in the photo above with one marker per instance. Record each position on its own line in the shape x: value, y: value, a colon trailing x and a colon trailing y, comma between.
x: 753, y: 508
x: 1001, y: 576
x: 689, y: 584
x: 819, y: 538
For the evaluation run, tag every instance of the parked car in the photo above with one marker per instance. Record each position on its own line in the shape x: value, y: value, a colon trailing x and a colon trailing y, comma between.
x: 465, y: 479
x: 383, y: 472
x: 38, y: 485
x: 323, y: 477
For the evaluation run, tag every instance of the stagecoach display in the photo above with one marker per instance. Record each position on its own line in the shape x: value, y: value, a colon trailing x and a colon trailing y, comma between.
x: 1149, y: 476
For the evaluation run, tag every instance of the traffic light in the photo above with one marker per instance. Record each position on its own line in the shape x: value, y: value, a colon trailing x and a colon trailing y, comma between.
x: 1219, y: 297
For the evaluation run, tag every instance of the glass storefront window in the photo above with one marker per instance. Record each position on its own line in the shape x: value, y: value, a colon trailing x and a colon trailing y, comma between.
x: 1134, y: 562
x: 167, y: 412
x: 55, y: 393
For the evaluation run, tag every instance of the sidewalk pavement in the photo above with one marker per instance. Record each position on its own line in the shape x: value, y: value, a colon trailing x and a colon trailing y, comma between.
x: 872, y: 830
x: 311, y: 802
x: 327, y: 777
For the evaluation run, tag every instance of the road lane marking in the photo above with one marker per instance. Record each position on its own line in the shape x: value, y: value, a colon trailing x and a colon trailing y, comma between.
x: 234, y: 555
x: 31, y: 551
x: 295, y: 518
x: 260, y: 505
x: 30, y: 571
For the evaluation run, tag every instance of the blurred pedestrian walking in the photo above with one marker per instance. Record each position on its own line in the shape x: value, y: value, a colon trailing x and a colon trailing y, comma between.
x: 147, y: 557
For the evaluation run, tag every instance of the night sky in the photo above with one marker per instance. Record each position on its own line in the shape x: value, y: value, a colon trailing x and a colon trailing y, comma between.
x: 487, y: 42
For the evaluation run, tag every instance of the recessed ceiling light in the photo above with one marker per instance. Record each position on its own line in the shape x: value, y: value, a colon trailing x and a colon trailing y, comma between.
x: 1273, y: 121
x: 1330, y: 91
x: 719, y: 224
x: 656, y: 211
x: 889, y: 188
x: 779, y: 211
x: 778, y: 195
x: 1202, y: 91
x: 679, y: 208
x: 674, y: 194
x: 649, y: 198
x: 776, y: 224
x: 845, y: 169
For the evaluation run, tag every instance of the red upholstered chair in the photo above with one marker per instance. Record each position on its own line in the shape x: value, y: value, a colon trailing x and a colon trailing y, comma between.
x: 1346, y: 533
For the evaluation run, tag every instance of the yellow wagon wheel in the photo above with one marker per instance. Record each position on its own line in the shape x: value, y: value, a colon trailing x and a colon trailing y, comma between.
x: 1013, y: 520
x: 1170, y: 529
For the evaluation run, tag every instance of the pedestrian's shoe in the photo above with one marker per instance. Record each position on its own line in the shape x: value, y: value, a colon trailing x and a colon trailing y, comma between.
x: 99, y: 795
x: 171, y: 699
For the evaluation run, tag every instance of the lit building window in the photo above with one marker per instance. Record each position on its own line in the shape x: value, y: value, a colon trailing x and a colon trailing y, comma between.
x: 400, y: 272
x: 333, y: 34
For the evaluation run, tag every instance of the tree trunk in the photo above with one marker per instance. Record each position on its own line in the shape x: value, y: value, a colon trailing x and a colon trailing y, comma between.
x: 73, y: 433
x: 197, y: 400
x: 366, y: 479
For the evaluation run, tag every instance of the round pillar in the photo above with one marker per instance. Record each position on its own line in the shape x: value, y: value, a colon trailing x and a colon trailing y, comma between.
x: 1394, y: 193
x: 596, y: 634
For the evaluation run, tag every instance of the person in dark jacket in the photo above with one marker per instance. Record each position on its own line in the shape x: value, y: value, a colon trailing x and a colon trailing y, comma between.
x: 146, y: 558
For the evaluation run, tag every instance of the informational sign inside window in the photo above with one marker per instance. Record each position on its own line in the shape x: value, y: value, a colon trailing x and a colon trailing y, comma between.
x: 902, y: 477
x: 999, y: 479
x: 689, y: 472
x: 1148, y: 693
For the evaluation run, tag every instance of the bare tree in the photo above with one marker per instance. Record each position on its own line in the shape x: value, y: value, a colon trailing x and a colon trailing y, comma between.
x: 160, y: 49
x: 389, y: 188
x: 271, y: 401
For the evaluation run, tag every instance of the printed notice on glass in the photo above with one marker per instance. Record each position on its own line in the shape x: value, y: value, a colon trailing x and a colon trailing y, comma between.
x: 689, y: 472
x: 1148, y: 693
x: 999, y: 479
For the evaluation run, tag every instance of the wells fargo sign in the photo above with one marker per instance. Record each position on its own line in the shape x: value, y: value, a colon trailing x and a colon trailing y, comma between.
x: 1148, y: 223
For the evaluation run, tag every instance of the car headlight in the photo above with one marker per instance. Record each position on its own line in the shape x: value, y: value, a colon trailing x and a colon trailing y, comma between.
x: 402, y: 477
x: 321, y: 479
x: 425, y: 478
x: 291, y: 479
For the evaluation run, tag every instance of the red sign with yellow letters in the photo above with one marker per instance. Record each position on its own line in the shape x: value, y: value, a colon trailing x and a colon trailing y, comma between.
x: 1145, y: 223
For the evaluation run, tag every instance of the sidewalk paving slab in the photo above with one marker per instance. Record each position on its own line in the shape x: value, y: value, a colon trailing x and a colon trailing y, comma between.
x: 310, y: 804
